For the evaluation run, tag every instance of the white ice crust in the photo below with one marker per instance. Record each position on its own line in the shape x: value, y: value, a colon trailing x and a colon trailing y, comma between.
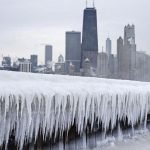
x: 52, y: 103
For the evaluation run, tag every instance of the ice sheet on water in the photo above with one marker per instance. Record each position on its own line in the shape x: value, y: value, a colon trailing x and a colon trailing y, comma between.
x: 140, y: 141
x: 29, y: 102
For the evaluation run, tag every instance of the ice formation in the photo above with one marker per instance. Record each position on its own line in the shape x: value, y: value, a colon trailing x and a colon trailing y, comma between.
x: 52, y: 103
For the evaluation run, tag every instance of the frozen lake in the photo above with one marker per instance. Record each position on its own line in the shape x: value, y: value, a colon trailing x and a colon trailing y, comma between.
x: 140, y: 140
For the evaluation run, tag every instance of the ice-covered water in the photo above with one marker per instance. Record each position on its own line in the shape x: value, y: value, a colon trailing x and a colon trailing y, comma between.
x: 140, y: 141
x: 53, y: 103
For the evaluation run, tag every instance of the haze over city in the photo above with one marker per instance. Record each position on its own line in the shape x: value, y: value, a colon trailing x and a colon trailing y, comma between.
x: 26, y: 26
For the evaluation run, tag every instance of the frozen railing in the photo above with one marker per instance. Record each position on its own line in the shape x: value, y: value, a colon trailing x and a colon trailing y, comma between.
x: 53, y: 103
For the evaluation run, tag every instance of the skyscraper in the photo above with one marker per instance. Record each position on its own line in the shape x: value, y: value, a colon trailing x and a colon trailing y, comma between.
x: 73, y: 50
x: 108, y: 46
x: 34, y: 61
x: 129, y: 33
x: 90, y: 37
x: 120, y: 56
x: 6, y: 62
x: 142, y: 66
x: 48, y: 54
x: 102, y: 65
x: 127, y: 53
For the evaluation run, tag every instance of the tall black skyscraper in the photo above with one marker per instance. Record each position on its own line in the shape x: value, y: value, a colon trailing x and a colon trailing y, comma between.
x: 90, y: 37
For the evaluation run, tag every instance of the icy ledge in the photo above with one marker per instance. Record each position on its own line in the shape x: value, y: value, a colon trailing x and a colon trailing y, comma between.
x: 29, y: 102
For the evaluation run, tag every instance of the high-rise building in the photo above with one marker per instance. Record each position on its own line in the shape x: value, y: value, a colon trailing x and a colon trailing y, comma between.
x: 87, y: 71
x: 102, y: 65
x: 120, y: 56
x: 34, y: 61
x: 60, y: 65
x: 110, y: 58
x: 111, y: 66
x: 73, y: 50
x: 48, y: 54
x: 142, y: 66
x: 127, y: 54
x: 129, y: 33
x: 6, y: 62
x: 24, y: 65
x: 90, y: 37
x: 108, y: 46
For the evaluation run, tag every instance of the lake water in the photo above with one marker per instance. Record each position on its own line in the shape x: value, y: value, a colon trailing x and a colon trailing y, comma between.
x: 138, y: 139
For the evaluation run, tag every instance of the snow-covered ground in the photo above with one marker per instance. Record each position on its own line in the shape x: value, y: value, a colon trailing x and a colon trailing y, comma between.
x: 53, y: 102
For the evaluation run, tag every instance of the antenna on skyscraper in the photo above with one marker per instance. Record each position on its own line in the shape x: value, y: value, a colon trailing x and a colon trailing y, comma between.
x: 93, y: 3
x: 86, y: 3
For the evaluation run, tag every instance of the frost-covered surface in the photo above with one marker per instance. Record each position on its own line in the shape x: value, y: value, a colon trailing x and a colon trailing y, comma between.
x: 52, y: 103
x: 140, y: 141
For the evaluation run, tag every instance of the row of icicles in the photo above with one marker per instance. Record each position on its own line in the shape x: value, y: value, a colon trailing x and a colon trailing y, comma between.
x: 26, y: 115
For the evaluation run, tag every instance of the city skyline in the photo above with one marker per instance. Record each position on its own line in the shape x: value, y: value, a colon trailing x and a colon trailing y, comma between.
x: 24, y: 29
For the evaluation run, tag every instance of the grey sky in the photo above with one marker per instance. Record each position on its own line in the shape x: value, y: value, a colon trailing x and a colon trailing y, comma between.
x: 25, y: 24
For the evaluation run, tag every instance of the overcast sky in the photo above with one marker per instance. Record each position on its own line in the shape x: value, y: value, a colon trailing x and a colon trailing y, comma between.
x: 25, y: 25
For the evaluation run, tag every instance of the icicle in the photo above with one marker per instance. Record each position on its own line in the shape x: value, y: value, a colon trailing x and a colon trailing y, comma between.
x: 53, y: 104
x: 120, y: 136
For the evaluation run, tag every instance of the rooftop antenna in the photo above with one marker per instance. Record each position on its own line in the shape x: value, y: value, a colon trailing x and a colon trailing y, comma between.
x: 86, y: 3
x: 93, y: 3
